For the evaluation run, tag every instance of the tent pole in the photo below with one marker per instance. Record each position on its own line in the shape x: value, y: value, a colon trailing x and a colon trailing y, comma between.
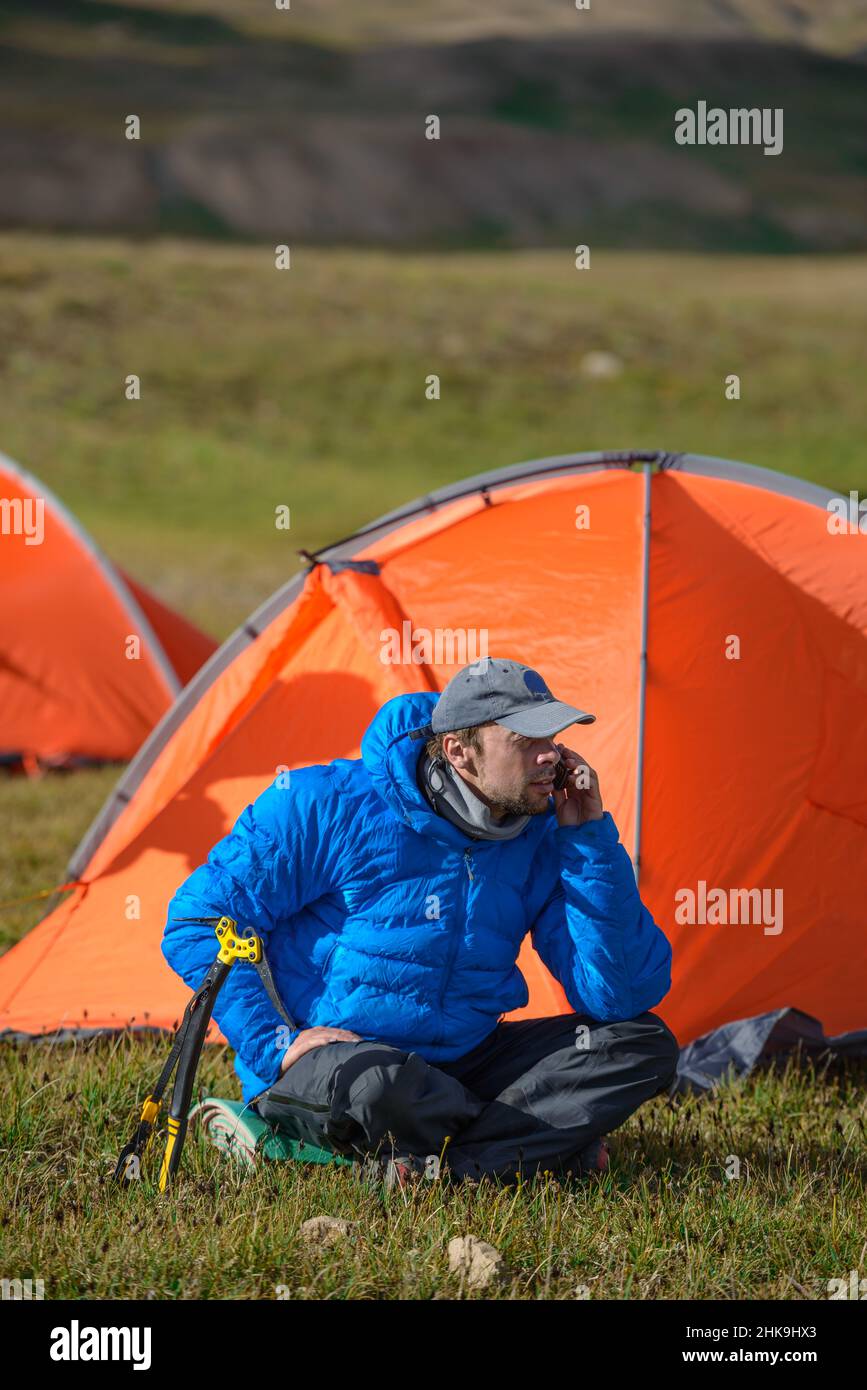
x: 642, y: 671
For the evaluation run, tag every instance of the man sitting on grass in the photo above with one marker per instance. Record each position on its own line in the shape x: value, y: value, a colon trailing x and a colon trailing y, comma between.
x: 393, y: 893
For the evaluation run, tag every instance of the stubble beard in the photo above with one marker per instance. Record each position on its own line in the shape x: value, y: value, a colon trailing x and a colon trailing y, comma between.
x: 520, y: 806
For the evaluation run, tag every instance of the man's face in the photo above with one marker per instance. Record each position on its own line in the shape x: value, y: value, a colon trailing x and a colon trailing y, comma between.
x: 514, y: 775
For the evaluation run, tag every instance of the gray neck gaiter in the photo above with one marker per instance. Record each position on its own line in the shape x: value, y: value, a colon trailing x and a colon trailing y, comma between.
x: 451, y: 798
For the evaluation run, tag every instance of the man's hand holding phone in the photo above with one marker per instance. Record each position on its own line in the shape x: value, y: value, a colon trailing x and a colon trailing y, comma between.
x: 577, y: 797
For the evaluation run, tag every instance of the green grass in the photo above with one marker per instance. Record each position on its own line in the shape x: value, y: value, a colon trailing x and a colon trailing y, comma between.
x: 43, y: 820
x: 307, y: 388
x: 664, y: 1222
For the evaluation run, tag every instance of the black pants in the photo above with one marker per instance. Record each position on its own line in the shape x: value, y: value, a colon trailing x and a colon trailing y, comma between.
x: 531, y: 1096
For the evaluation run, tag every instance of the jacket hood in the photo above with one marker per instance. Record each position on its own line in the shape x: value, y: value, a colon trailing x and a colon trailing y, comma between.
x: 391, y: 756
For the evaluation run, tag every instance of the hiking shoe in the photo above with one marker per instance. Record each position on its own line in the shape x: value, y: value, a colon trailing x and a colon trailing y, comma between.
x: 592, y: 1159
x: 407, y: 1171
x: 392, y: 1171
x: 596, y: 1157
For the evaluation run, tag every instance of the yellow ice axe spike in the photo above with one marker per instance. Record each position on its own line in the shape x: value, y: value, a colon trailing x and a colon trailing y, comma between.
x: 140, y: 1143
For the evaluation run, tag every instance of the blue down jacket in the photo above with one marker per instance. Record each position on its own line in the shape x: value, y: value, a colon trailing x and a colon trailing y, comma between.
x: 382, y: 917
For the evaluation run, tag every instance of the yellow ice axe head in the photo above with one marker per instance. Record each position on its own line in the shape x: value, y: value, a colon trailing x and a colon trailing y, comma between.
x: 234, y: 947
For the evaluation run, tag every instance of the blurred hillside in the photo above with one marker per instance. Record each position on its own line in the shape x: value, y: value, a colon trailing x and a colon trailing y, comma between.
x: 557, y: 125
x: 834, y: 25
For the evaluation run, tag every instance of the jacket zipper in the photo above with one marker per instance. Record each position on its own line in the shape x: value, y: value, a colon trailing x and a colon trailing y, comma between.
x: 468, y: 865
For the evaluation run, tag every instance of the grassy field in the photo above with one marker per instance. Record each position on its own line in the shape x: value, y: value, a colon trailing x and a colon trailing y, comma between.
x: 307, y: 388
x: 664, y: 1222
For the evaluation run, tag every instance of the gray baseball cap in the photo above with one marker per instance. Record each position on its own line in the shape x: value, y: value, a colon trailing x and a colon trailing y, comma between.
x: 495, y: 690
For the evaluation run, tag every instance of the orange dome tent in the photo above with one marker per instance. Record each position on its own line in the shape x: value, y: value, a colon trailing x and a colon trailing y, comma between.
x: 69, y: 691
x: 707, y: 611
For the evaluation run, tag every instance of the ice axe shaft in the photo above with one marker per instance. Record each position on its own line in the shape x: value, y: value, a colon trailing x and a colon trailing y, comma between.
x: 187, y: 1049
